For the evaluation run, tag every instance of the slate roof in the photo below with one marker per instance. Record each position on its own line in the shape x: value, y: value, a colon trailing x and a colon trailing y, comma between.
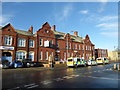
x: 58, y: 35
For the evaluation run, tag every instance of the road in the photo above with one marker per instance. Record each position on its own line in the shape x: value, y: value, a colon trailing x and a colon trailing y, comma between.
x: 101, y: 76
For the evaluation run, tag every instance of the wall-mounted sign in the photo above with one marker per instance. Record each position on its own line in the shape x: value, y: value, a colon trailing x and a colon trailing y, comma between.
x: 6, y: 48
x: 46, y: 43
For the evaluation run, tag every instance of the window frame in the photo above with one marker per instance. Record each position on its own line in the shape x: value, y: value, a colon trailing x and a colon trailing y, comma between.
x: 8, y: 40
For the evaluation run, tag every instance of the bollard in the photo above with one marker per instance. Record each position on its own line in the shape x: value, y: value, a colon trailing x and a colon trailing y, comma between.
x: 115, y: 67
x: 118, y: 66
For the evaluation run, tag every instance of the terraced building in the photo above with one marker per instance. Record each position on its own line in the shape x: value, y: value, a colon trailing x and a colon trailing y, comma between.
x: 19, y: 44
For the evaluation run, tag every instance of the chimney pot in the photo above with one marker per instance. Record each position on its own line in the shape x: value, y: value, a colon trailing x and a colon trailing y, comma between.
x: 76, y: 33
x: 31, y: 29
x: 53, y: 28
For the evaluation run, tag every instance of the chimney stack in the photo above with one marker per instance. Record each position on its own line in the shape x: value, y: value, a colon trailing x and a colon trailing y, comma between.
x: 30, y: 29
x: 76, y: 33
x: 53, y: 28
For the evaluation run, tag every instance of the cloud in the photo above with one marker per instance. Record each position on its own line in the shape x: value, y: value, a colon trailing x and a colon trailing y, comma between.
x: 84, y: 12
x: 103, y: 4
x: 108, y: 18
x: 110, y: 34
x: 64, y: 13
x: 4, y: 19
x: 108, y: 26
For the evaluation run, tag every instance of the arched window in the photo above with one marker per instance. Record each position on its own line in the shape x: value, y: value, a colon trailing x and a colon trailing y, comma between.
x: 20, y: 55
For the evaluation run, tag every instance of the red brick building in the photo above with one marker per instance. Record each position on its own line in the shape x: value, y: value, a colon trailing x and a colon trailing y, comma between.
x: 19, y: 44
x: 101, y: 53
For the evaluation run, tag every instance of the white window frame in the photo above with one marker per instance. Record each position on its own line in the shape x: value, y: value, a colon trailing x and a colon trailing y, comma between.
x: 64, y: 56
x: 31, y: 43
x: 46, y: 55
x: 78, y: 47
x: 7, y: 40
x: 57, y: 44
x: 41, y: 55
x: 31, y: 53
x: 41, y: 42
x: 21, y: 42
x: 20, y: 55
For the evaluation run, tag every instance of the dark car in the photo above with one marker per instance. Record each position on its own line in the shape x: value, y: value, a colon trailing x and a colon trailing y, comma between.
x: 36, y: 64
x: 26, y: 62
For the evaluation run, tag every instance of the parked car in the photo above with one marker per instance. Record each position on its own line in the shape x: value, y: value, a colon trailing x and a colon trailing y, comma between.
x: 16, y: 64
x: 36, y: 64
x: 5, y: 64
x: 100, y: 61
x: 91, y: 62
x: 75, y: 62
x: 106, y: 61
x: 26, y: 62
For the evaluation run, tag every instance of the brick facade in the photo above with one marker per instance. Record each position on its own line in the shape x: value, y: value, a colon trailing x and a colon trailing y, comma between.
x: 61, y: 45
x: 101, y: 53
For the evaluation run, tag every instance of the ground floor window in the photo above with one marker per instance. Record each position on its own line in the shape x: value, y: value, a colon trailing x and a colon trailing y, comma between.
x: 41, y: 55
x: 46, y: 55
x: 20, y: 55
x: 31, y: 56
x: 64, y: 56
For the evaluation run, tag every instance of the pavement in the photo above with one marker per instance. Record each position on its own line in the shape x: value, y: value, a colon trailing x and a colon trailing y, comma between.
x: 101, y: 76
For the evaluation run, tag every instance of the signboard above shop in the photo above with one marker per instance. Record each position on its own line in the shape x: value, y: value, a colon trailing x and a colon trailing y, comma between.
x: 6, y: 48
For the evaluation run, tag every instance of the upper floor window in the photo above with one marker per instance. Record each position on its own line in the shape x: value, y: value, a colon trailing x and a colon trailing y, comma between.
x: 7, y: 40
x: 51, y: 43
x: 31, y: 43
x: 57, y: 44
x: 78, y: 47
x: 69, y: 45
x: 41, y: 42
x: 21, y: 42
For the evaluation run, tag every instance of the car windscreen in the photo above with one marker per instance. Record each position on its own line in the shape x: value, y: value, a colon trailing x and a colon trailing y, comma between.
x: 99, y: 59
x: 69, y: 59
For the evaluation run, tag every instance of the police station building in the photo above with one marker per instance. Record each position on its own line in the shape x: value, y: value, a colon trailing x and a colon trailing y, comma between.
x: 18, y: 44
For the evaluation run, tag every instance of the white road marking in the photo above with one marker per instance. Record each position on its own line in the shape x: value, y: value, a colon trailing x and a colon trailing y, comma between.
x: 77, y: 75
x: 29, y: 85
x: 33, y: 86
x: 102, y: 78
x: 58, y: 79
x: 46, y: 82
x: 14, y: 88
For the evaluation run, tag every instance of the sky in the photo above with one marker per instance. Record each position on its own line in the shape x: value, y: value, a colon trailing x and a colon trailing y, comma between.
x: 97, y: 19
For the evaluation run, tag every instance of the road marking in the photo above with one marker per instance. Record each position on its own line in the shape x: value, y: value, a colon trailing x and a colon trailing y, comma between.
x: 29, y: 85
x: 46, y: 82
x: 102, y: 78
x: 33, y: 86
x: 14, y: 88
x: 58, y: 79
